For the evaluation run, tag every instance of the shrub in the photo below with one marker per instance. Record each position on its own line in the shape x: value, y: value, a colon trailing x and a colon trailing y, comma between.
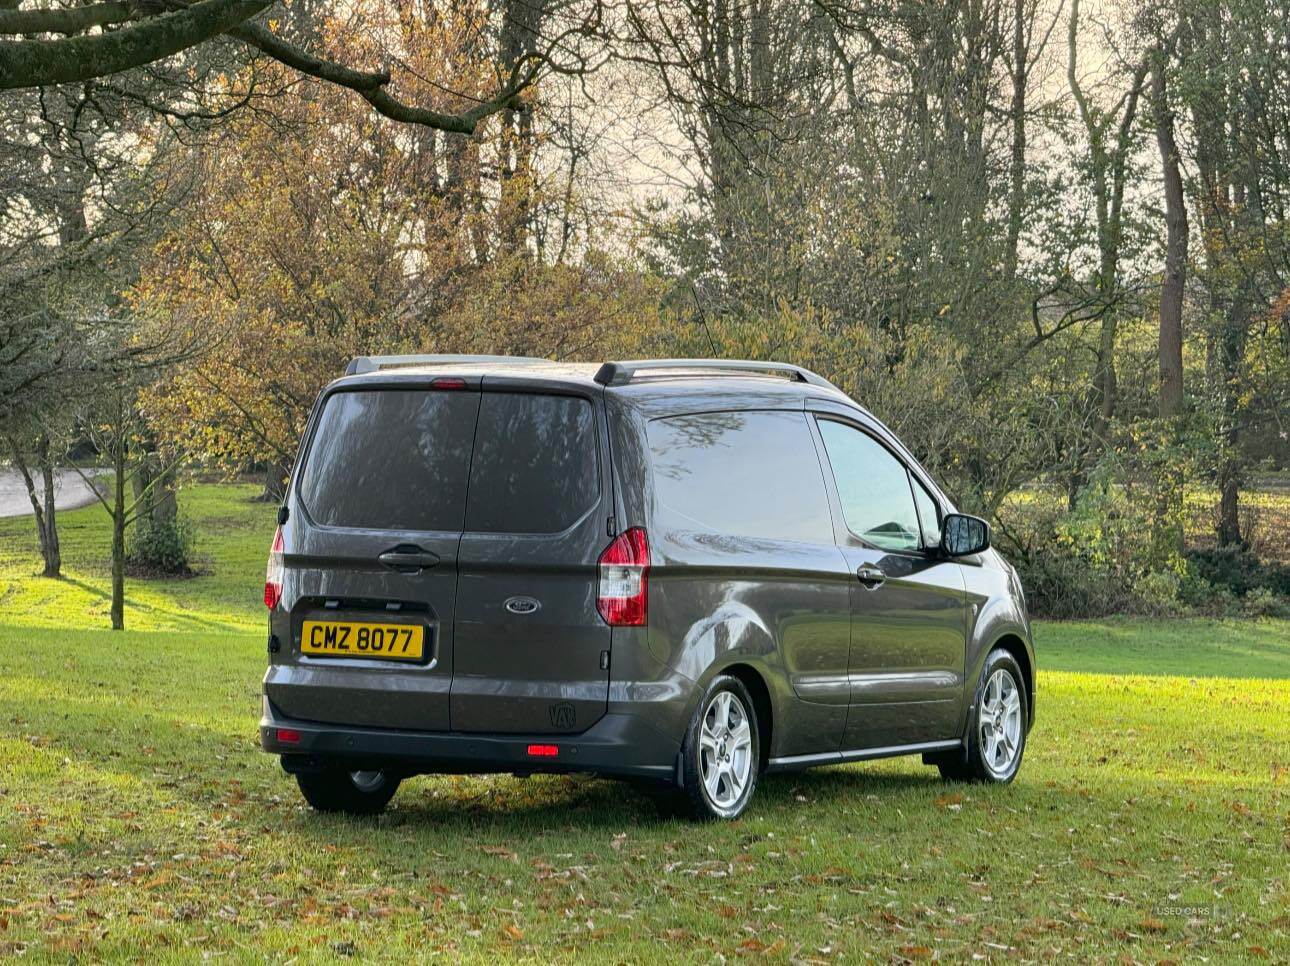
x: 1059, y: 585
x: 1096, y: 561
x: 1264, y: 602
x: 1157, y: 592
x: 1239, y: 570
x: 163, y: 547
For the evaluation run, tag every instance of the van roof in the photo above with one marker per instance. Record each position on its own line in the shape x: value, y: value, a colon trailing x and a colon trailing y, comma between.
x: 655, y: 387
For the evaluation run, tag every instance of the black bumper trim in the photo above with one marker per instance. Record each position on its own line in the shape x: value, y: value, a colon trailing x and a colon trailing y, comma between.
x: 618, y: 744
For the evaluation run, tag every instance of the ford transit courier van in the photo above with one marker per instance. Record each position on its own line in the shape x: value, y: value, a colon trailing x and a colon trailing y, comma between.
x: 689, y: 572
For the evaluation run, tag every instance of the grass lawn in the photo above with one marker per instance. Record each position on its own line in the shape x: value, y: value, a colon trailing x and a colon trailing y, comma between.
x: 139, y: 820
x: 232, y: 541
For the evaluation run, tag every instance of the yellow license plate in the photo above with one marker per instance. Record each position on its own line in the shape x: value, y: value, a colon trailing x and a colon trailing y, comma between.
x: 381, y: 642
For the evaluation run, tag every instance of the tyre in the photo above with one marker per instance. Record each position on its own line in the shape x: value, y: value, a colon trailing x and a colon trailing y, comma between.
x: 996, y: 737
x: 351, y: 792
x: 721, y: 755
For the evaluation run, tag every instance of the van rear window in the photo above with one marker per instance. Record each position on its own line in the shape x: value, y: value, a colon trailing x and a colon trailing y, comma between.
x: 535, y: 468
x: 391, y: 460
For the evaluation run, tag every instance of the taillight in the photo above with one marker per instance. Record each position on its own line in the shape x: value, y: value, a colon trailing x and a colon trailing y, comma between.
x: 273, y: 572
x: 624, y: 579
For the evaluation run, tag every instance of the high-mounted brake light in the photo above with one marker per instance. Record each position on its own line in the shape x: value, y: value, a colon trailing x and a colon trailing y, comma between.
x: 273, y: 572
x: 623, y: 600
x: 446, y: 382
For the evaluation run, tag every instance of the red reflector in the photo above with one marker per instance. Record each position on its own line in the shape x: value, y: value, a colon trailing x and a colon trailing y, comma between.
x: 288, y: 736
x: 445, y: 383
x: 543, y: 751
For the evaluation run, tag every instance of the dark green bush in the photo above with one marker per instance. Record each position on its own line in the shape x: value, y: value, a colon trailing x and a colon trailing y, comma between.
x: 1239, y: 571
x: 1062, y: 586
x: 163, y: 547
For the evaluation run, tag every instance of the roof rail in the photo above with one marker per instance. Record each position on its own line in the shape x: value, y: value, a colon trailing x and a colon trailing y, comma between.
x: 621, y: 373
x: 361, y: 364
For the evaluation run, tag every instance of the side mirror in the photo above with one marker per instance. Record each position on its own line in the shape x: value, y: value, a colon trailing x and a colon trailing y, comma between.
x: 962, y: 535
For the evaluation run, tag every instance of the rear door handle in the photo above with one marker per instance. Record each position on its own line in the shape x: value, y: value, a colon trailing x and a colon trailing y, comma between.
x: 871, y: 577
x: 408, y: 559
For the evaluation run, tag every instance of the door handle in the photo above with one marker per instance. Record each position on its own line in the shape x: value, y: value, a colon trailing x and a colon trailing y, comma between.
x: 408, y: 559
x: 871, y: 577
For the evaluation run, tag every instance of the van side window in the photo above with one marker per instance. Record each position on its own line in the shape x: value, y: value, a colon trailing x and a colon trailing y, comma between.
x: 390, y: 459
x: 929, y: 514
x: 744, y: 474
x: 873, y: 487
x: 535, y: 468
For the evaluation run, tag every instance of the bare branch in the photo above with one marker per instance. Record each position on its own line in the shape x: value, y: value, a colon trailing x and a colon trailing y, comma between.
x: 40, y: 63
x: 68, y: 20
x: 371, y: 85
x: 142, y: 495
x: 94, y: 489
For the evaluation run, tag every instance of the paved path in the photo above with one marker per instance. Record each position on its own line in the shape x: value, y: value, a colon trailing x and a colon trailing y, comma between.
x: 70, y: 491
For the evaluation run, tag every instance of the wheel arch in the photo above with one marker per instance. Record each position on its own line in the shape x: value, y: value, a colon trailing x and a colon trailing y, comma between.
x: 763, y: 706
x: 1015, y: 645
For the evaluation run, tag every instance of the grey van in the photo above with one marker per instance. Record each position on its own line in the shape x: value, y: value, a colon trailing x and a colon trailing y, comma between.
x: 687, y: 572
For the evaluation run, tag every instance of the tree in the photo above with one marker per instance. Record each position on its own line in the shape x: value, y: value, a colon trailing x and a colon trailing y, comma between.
x: 1174, y: 279
x: 71, y: 45
x: 1169, y: 534
x: 118, y: 424
x: 323, y: 232
x: 1111, y: 142
x: 855, y: 207
x: 1233, y: 78
x: 79, y: 194
x: 25, y: 449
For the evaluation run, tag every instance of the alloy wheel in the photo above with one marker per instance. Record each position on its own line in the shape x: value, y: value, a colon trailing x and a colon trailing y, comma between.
x: 725, y: 749
x: 999, y: 723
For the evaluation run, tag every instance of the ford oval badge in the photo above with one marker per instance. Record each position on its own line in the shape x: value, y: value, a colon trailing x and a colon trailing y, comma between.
x: 522, y: 605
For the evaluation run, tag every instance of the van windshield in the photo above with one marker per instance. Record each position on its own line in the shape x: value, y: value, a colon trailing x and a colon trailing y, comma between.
x: 390, y: 459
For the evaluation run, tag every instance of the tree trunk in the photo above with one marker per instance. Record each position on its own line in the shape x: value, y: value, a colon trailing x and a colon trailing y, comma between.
x: 49, y: 546
x: 159, y: 505
x: 118, y: 536
x: 143, y: 476
x: 165, y: 500
x: 1231, y: 354
x: 1169, y: 535
x: 1017, y: 165
x: 275, y: 471
x: 1176, y: 237
x: 42, y: 504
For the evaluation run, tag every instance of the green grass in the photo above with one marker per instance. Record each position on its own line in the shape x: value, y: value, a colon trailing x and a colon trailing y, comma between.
x: 232, y: 542
x: 138, y: 819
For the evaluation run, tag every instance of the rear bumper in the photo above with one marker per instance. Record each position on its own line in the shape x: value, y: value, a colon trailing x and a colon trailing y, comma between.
x: 618, y: 744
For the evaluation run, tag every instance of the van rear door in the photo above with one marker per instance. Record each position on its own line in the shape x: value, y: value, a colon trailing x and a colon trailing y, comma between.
x: 531, y: 651
x: 371, y: 555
